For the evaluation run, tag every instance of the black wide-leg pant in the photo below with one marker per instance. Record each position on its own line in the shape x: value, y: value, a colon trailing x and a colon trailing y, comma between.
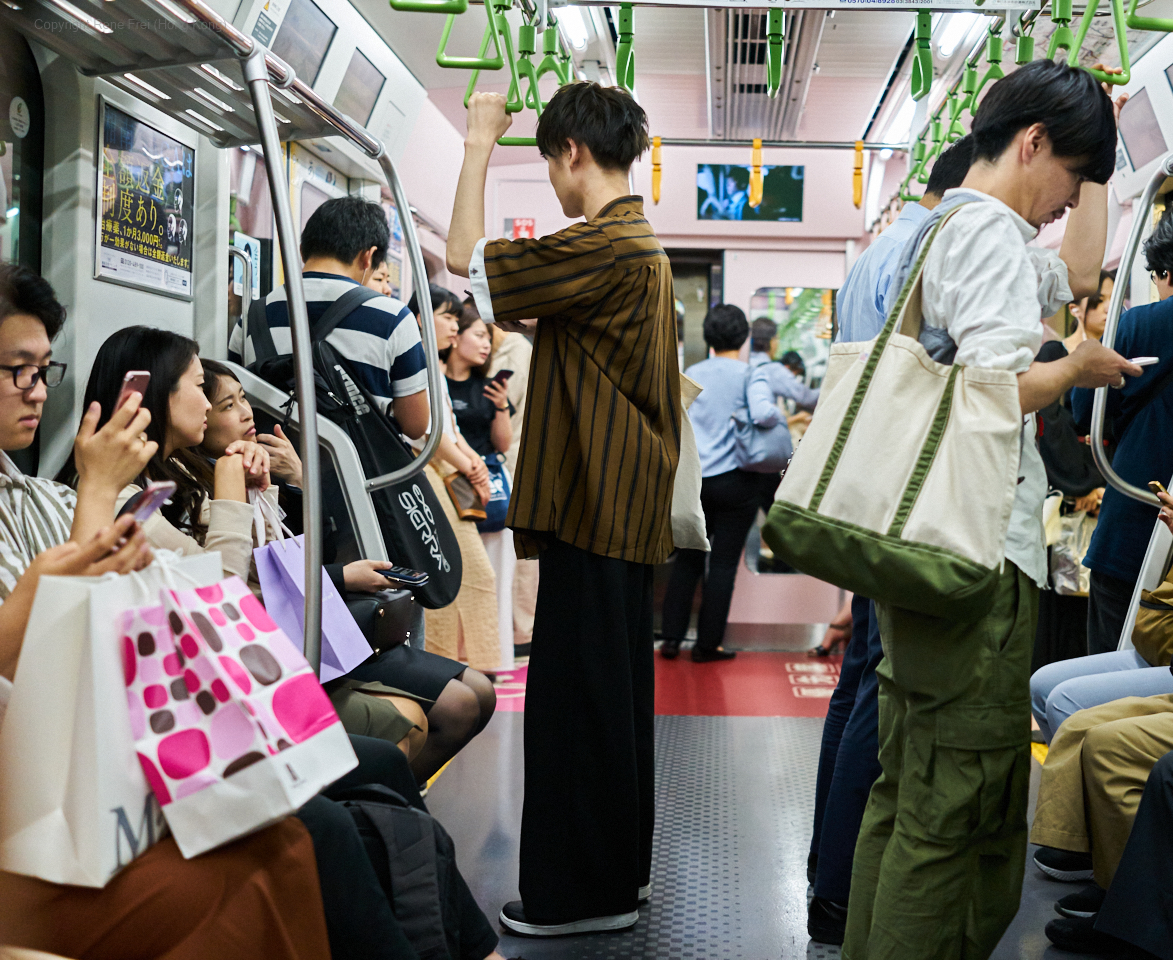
x: 589, y: 811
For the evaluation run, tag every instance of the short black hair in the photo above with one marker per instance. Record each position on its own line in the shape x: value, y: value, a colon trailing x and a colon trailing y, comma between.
x: 343, y: 228
x: 606, y: 120
x: 726, y: 327
x: 1068, y: 101
x: 951, y: 167
x: 1158, y: 249
x: 761, y: 333
x: 441, y: 297
x: 792, y: 358
x: 24, y: 291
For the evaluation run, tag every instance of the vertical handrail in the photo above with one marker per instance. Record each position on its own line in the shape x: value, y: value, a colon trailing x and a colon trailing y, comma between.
x: 246, y: 289
x: 256, y: 75
x: 1141, y: 211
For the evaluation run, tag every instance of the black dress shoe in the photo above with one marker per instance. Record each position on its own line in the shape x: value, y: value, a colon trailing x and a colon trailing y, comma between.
x: 1082, y: 903
x: 670, y: 649
x: 711, y: 656
x: 826, y: 921
x: 1079, y: 935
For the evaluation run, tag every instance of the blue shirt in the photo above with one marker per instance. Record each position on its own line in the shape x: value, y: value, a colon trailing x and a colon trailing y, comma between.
x: 380, y: 338
x: 711, y: 413
x: 863, y: 301
x: 1145, y: 452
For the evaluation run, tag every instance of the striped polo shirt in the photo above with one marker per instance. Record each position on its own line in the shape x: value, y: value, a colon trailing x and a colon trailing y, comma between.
x: 601, y: 436
x: 380, y: 338
x: 35, y: 515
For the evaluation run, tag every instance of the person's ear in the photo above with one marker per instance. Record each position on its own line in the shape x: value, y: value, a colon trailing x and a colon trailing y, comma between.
x: 1034, y: 140
x: 573, y: 155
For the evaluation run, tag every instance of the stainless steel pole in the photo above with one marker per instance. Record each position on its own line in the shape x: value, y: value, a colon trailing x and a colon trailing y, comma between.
x: 246, y: 287
x: 1140, y: 217
x: 256, y: 74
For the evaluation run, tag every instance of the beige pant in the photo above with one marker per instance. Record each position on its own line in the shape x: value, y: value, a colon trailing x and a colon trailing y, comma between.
x: 1095, y: 774
x: 466, y: 629
x: 525, y: 600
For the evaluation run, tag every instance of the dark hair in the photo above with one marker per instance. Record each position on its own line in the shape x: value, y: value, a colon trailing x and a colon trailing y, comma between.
x: 605, y: 120
x: 24, y: 291
x: 213, y: 371
x: 792, y: 358
x: 761, y: 333
x: 441, y: 297
x: 343, y: 228
x: 167, y: 356
x: 1158, y: 248
x: 726, y: 327
x: 1068, y: 101
x: 951, y: 166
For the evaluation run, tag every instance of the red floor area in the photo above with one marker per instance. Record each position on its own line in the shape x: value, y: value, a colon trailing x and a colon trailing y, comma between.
x: 754, y: 685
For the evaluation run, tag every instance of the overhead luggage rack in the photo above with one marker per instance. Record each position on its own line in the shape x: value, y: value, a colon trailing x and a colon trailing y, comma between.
x: 193, y: 65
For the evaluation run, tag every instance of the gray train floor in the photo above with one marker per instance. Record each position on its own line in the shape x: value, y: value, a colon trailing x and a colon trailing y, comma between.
x: 734, y: 799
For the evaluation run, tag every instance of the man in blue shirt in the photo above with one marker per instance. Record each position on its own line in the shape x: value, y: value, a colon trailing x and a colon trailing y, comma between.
x: 848, y: 758
x: 1141, y: 416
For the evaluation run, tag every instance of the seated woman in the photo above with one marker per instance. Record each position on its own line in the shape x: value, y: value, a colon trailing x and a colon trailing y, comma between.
x: 445, y: 692
x: 210, y: 508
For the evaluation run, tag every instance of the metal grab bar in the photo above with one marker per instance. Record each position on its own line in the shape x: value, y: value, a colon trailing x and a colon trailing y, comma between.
x: 246, y: 289
x: 1100, y: 406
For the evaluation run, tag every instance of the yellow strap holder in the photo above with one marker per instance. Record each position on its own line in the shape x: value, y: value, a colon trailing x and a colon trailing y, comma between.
x: 756, y: 187
x: 857, y: 176
x: 655, y: 169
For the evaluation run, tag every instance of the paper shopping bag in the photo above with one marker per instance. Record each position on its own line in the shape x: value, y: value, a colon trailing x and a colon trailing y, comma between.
x: 281, y: 571
x: 74, y: 805
x: 232, y: 729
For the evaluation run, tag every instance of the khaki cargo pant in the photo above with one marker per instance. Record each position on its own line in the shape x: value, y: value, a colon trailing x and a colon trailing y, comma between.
x: 939, y: 862
x: 1094, y: 776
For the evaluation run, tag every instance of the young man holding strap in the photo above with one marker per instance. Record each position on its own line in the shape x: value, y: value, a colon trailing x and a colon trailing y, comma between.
x: 591, y: 498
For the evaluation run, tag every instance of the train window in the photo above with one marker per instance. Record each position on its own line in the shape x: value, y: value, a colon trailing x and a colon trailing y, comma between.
x: 22, y: 147
x: 1140, y: 132
x: 360, y: 89
x: 304, y: 38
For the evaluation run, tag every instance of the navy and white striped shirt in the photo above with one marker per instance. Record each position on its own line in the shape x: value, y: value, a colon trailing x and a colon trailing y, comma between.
x: 380, y: 338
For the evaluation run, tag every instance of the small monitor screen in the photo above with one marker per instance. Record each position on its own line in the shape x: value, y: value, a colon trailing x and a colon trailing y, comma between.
x: 360, y: 89
x: 722, y: 193
x: 1139, y: 131
x: 304, y: 38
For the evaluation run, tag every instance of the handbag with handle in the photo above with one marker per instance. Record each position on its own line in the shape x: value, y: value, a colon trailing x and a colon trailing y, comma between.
x: 759, y: 449
x: 464, y: 497
x: 688, y: 519
x: 903, y: 485
x: 500, y: 488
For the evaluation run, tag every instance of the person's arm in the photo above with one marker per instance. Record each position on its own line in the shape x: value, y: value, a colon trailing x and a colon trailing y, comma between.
x: 1084, y: 240
x: 760, y: 398
x: 487, y: 122
x: 786, y: 384
x: 100, y: 555
x: 411, y: 413
x: 1091, y: 365
x: 284, y: 463
x: 501, y: 429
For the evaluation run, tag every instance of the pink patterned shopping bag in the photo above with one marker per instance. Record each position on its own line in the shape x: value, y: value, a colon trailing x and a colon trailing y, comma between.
x: 232, y: 729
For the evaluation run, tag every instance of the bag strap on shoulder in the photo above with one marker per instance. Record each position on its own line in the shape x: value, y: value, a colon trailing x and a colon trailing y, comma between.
x: 259, y: 333
x: 906, y: 313
x: 339, y: 310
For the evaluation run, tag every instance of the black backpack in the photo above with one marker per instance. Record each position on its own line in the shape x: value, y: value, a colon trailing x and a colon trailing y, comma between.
x: 415, y: 861
x: 415, y: 529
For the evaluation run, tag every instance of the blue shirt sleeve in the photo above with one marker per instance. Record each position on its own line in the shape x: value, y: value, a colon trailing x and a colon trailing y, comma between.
x: 763, y: 408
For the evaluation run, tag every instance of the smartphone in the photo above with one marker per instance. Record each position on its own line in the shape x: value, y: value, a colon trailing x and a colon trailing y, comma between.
x: 502, y: 376
x: 1157, y: 487
x: 1145, y: 361
x: 406, y: 576
x: 135, y: 381
x: 146, y: 502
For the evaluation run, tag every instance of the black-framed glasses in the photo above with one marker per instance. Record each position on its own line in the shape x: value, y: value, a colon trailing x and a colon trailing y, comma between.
x: 28, y: 375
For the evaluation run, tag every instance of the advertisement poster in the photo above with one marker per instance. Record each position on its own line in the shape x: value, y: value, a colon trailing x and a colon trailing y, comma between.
x: 145, y: 215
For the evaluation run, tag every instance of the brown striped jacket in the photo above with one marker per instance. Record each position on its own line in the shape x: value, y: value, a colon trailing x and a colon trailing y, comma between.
x: 601, y: 437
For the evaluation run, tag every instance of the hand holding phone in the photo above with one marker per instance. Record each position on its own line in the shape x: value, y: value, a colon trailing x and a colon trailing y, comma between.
x: 502, y: 376
x: 406, y: 576
x: 1157, y: 487
x: 1145, y: 361
x: 144, y: 503
x: 135, y: 381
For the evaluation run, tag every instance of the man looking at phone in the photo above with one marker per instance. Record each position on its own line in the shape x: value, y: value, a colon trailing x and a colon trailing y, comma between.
x: 591, y: 498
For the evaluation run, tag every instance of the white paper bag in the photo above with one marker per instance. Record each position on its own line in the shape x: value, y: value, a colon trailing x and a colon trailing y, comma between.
x: 688, y: 519
x: 74, y: 805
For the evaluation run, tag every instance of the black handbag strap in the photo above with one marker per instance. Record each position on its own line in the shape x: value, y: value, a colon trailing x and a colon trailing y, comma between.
x: 1123, y: 423
x: 339, y: 310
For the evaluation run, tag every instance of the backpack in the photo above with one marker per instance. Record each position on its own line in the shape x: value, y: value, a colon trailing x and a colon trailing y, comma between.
x: 415, y: 529
x: 415, y: 861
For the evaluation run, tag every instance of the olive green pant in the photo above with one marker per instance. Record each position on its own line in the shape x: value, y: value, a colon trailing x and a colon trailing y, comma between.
x: 939, y: 862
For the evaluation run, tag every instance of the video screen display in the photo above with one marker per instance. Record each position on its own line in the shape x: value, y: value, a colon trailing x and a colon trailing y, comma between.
x: 360, y: 89
x: 1140, y: 132
x: 722, y: 193
x: 304, y: 38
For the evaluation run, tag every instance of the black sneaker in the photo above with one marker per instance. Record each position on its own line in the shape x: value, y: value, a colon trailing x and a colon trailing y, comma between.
x: 712, y: 656
x: 645, y: 893
x: 1083, y: 903
x: 1064, y: 865
x: 1079, y: 935
x: 826, y: 921
x: 513, y: 919
x: 669, y: 649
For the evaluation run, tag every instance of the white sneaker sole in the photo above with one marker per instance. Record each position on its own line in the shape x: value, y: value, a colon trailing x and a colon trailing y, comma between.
x: 645, y: 893
x: 1066, y: 876
x: 620, y: 921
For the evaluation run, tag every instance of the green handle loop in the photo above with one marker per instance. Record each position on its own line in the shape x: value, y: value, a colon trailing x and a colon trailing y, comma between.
x: 1062, y: 39
x: 956, y: 129
x: 931, y: 153
x: 969, y: 84
x: 1024, y: 49
x: 922, y: 64
x: 450, y: 7
x: 1158, y: 24
x: 518, y: 142
x: 551, y: 62
x: 1120, y: 26
x: 480, y: 61
x: 775, y: 49
x: 994, y: 70
x: 624, y: 54
x: 502, y: 34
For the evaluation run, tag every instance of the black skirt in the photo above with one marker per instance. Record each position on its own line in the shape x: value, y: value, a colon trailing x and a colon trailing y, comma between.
x: 407, y: 668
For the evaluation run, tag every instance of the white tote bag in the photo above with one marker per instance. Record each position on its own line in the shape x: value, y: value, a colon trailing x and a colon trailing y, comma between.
x: 74, y: 805
x: 688, y: 519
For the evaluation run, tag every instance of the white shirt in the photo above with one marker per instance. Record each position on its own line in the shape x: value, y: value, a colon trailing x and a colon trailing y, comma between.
x: 989, y: 291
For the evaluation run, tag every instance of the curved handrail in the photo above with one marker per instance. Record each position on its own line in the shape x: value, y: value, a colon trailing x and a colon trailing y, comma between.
x: 1141, y: 210
x: 246, y: 288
